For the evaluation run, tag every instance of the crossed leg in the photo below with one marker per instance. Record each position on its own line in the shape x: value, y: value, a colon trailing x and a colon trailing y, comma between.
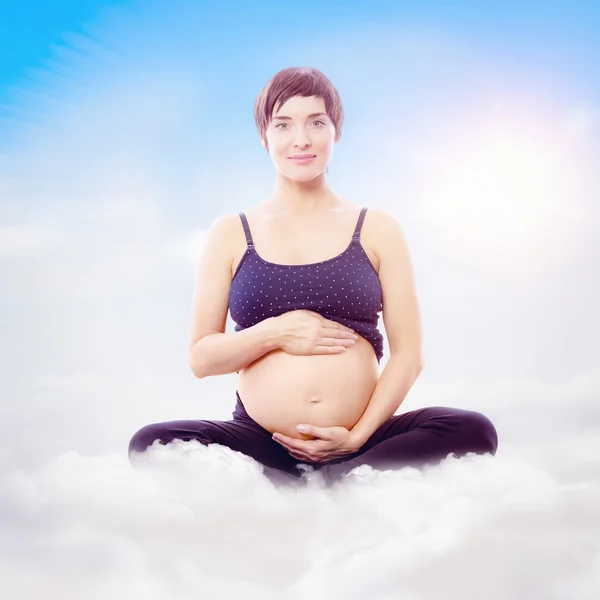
x: 419, y: 437
x: 241, y: 435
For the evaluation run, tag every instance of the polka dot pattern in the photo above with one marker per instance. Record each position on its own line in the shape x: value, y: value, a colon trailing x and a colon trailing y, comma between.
x: 345, y: 288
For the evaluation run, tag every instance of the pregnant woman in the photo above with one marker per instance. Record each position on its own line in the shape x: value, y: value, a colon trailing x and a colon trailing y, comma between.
x: 305, y: 275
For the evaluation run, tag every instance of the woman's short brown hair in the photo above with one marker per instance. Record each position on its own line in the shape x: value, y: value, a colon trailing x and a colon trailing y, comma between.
x: 297, y: 81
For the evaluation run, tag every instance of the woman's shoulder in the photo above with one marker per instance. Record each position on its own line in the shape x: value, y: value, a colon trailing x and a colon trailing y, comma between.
x: 226, y: 231
x: 225, y: 222
x: 382, y: 220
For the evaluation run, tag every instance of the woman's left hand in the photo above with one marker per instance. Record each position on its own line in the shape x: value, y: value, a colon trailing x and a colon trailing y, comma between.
x: 329, y: 443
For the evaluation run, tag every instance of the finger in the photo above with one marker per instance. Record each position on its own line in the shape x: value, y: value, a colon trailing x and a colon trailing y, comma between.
x: 330, y: 349
x: 298, y: 453
x: 306, y: 458
x: 312, y: 450
x: 336, y: 330
x: 338, y: 336
x: 301, y: 445
x: 287, y: 446
x: 293, y: 450
x: 343, y: 342
x: 322, y: 433
x: 302, y: 457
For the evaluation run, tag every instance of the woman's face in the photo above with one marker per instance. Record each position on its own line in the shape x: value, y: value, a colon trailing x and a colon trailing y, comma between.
x: 303, y: 131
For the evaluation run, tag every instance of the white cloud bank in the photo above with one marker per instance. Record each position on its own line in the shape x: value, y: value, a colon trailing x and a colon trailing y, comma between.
x: 193, y: 522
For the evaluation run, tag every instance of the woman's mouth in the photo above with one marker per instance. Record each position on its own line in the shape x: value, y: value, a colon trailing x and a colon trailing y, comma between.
x: 302, y: 160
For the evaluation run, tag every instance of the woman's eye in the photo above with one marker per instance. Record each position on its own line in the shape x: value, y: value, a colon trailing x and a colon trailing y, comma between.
x: 280, y: 124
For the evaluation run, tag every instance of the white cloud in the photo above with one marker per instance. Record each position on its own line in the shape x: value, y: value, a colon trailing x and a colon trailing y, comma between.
x: 28, y: 240
x: 189, y: 519
x: 580, y: 122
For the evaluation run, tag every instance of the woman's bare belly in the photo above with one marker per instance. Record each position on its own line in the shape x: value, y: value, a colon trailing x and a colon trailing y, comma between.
x: 280, y: 391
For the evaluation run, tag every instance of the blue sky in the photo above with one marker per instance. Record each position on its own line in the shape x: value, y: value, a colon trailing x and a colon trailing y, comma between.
x: 29, y: 30
x: 46, y: 47
x: 126, y: 128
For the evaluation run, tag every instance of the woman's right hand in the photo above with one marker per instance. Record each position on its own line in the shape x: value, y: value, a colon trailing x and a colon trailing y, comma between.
x: 304, y: 332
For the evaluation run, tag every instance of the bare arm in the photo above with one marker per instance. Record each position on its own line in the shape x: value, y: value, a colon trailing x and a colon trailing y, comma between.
x: 223, y: 353
x: 402, y: 318
x: 211, y: 350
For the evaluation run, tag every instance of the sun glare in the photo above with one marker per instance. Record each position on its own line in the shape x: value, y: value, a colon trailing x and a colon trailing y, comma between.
x: 503, y: 192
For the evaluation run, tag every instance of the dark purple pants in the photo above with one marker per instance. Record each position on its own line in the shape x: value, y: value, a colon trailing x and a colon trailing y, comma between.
x: 415, y: 438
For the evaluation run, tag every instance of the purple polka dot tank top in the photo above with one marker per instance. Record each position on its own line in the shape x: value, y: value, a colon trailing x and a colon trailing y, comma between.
x: 345, y: 289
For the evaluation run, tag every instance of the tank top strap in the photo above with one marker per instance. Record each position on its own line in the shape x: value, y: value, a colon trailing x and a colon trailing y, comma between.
x: 359, y: 223
x: 249, y: 239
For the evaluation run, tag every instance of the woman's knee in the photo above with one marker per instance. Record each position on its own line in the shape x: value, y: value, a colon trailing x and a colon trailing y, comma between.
x: 201, y: 431
x: 163, y: 432
x: 145, y: 437
x: 481, y: 432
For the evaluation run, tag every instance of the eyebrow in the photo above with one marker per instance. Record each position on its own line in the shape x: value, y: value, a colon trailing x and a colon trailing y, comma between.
x: 319, y: 114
